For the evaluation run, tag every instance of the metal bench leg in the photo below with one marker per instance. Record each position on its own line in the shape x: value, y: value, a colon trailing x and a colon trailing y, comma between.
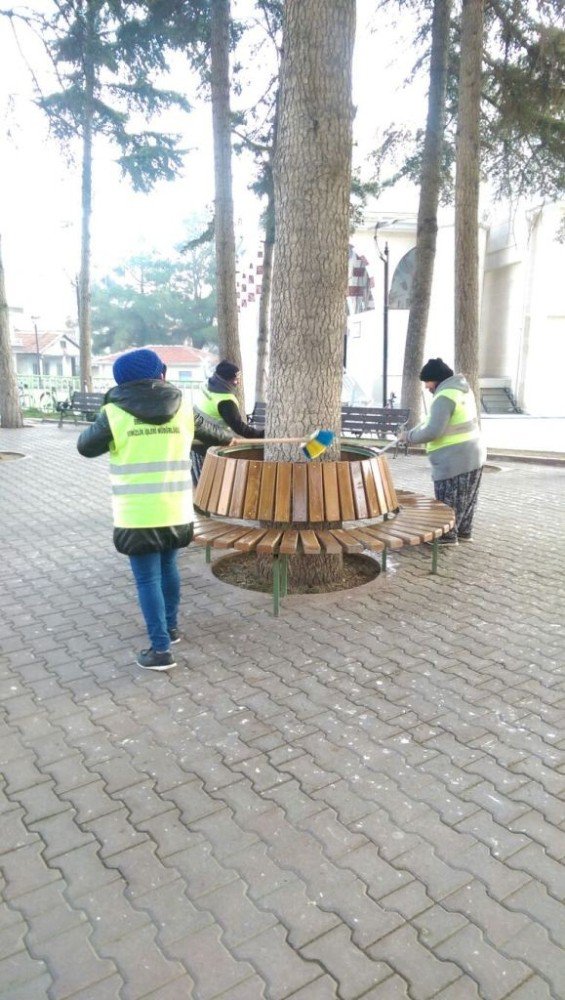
x: 284, y: 575
x: 208, y: 553
x: 276, y: 586
x: 435, y: 548
x: 383, y: 560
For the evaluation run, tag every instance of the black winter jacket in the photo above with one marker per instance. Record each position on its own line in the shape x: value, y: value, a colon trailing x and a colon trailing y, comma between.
x: 155, y: 402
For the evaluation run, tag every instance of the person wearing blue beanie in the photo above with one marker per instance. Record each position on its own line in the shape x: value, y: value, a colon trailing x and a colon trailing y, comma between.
x: 139, y: 364
x: 147, y: 429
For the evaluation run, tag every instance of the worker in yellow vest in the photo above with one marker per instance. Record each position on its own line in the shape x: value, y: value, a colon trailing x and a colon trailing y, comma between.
x: 147, y: 428
x: 453, y: 444
x: 218, y: 407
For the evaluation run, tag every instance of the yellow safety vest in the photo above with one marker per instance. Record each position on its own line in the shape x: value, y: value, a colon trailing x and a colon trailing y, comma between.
x: 150, y: 469
x: 463, y: 424
x: 207, y: 403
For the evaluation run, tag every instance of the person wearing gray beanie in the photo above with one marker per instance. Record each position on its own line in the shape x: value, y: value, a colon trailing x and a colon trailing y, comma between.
x: 454, y: 445
x: 147, y: 428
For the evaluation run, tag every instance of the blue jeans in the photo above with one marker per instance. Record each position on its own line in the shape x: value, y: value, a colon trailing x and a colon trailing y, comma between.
x: 157, y: 580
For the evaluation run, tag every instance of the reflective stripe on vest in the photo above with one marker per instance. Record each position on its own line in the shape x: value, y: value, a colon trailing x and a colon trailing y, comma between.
x: 207, y: 403
x: 463, y: 424
x: 150, y: 469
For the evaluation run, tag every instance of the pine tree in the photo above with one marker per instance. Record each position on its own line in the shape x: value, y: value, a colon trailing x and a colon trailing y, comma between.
x: 104, y: 63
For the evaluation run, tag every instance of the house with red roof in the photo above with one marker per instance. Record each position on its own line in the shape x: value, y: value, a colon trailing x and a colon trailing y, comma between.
x: 54, y: 354
x: 184, y: 364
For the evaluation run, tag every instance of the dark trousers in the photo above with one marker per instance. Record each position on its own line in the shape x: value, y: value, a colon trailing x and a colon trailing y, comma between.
x: 461, y: 493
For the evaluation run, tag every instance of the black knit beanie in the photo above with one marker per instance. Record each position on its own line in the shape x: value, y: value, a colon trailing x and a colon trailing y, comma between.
x: 226, y: 370
x: 435, y: 370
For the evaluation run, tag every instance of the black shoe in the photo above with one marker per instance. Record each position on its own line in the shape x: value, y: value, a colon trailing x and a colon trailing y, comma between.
x: 149, y: 659
x: 174, y: 635
x: 446, y: 540
x: 465, y: 538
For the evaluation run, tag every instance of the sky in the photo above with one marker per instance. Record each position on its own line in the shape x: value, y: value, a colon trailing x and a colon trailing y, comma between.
x: 40, y: 190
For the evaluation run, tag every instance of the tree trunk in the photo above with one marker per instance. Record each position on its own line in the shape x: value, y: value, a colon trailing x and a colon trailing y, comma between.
x: 467, y: 180
x: 312, y: 173
x: 265, y: 299
x: 228, y: 338
x: 430, y: 183
x: 84, y: 285
x: 10, y: 411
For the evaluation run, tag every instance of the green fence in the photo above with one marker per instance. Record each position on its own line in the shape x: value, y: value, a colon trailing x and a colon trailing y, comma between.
x: 43, y: 392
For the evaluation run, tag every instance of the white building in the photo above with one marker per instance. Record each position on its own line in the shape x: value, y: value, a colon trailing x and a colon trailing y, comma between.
x: 522, y: 305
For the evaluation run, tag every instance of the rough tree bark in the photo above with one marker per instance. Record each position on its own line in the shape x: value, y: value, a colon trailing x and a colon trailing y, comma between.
x: 10, y: 412
x: 265, y: 299
x: 430, y: 182
x: 312, y: 175
x: 228, y: 338
x: 467, y: 179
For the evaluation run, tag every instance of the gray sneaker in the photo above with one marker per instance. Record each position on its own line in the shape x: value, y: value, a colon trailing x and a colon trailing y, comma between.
x: 149, y: 659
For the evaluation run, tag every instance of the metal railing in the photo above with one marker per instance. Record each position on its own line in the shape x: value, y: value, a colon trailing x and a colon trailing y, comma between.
x: 43, y: 392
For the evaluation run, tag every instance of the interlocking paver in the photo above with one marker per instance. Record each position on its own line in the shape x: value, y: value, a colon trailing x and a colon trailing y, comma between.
x: 365, y: 783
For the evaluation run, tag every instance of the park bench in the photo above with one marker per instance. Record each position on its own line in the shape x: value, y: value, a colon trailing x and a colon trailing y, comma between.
x: 380, y: 422
x: 81, y: 404
x: 281, y: 509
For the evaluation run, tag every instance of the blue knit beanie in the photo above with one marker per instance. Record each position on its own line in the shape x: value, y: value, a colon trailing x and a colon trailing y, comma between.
x: 136, y: 365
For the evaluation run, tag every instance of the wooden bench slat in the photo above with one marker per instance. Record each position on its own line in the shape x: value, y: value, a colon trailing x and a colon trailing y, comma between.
x: 266, y: 508
x: 347, y: 543
x: 345, y: 492
x: 391, y: 540
x: 358, y: 490
x: 269, y: 543
x: 238, y: 491
x: 390, y: 504
x: 388, y: 482
x: 216, y: 485
x: 368, y: 539
x: 226, y: 490
x: 329, y: 543
x: 215, y: 531
x: 378, y: 484
x: 249, y: 541
x: 300, y: 492
x: 315, y: 492
x: 252, y: 488
x: 409, y: 536
x: 205, y: 485
x: 373, y: 505
x: 228, y: 540
x: 282, y: 496
x: 331, y: 492
x: 289, y: 543
x: 310, y: 543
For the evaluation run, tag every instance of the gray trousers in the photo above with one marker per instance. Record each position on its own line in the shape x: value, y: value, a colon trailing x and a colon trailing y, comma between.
x: 461, y: 493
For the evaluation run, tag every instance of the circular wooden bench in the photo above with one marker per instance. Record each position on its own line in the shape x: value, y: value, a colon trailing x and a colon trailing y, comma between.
x: 283, y: 509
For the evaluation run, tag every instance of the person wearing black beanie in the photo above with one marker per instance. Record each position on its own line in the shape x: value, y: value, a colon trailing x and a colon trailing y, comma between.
x: 453, y: 443
x: 216, y: 412
x: 147, y: 428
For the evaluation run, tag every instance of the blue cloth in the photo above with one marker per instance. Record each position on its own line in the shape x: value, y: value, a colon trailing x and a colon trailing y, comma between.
x: 135, y: 365
x: 157, y: 580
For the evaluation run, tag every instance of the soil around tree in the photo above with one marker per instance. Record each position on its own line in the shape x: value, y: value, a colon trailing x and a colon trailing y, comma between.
x: 241, y: 571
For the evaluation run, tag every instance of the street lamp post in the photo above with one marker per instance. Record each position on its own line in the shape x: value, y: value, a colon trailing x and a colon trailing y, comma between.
x: 384, y: 255
x: 37, y: 351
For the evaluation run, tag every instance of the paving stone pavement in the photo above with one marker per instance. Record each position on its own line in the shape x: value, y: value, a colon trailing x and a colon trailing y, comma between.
x: 362, y: 798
